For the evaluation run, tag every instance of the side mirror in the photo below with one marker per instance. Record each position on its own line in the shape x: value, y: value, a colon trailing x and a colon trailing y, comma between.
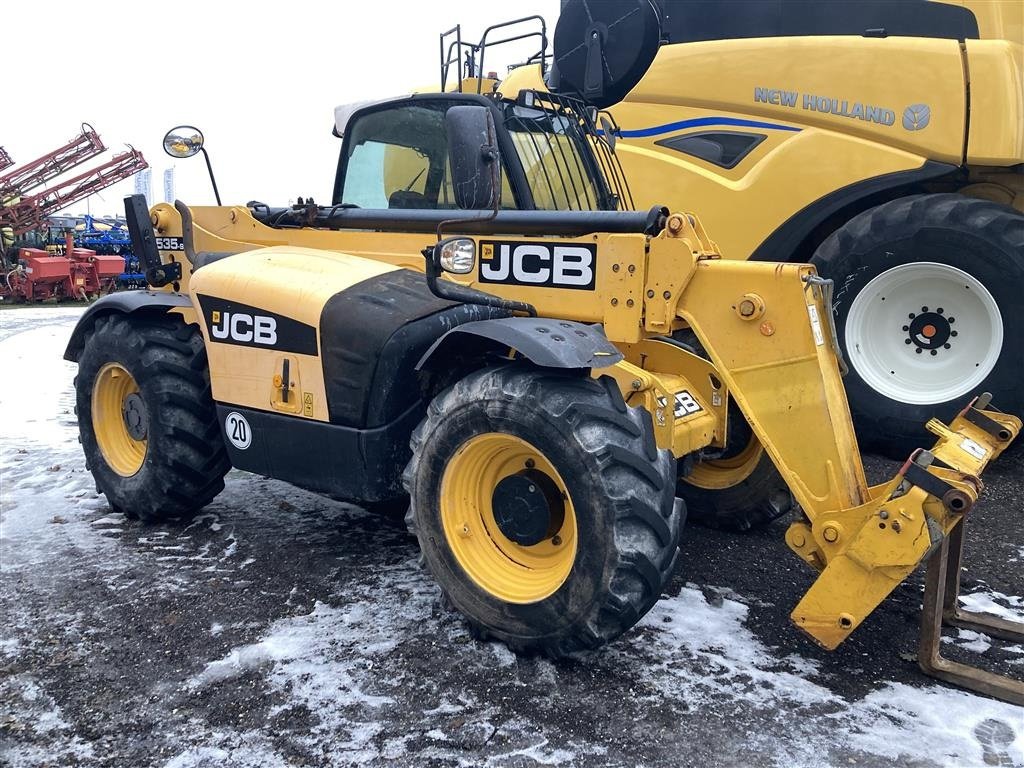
x: 473, y: 157
x: 186, y: 141
x: 183, y: 141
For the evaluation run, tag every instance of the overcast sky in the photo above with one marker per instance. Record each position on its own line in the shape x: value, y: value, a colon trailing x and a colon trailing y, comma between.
x: 261, y: 79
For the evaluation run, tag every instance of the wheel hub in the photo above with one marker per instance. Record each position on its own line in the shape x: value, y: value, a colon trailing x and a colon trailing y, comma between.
x: 136, y: 418
x: 120, y: 420
x: 528, y: 507
x: 924, y: 333
x: 930, y: 331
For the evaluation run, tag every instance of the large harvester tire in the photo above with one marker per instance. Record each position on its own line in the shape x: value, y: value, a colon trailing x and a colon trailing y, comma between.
x: 146, y: 417
x: 543, y: 508
x: 928, y: 311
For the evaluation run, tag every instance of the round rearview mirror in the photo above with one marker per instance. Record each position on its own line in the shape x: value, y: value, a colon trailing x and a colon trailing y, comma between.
x: 183, y: 141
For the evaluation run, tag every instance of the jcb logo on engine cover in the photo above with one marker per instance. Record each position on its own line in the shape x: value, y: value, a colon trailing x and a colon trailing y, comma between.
x: 239, y: 326
x: 229, y: 322
x: 539, y: 264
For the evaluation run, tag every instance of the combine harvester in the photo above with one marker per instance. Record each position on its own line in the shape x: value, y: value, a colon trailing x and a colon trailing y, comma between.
x: 33, y: 274
x: 881, y: 141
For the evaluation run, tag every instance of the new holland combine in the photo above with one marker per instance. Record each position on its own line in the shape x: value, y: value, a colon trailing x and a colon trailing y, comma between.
x: 540, y: 383
x: 880, y: 140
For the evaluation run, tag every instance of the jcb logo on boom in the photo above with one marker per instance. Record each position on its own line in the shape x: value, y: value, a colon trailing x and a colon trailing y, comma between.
x: 239, y: 326
x: 539, y: 264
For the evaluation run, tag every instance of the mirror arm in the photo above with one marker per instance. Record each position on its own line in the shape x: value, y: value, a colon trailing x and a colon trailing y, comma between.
x: 445, y: 289
x: 213, y: 181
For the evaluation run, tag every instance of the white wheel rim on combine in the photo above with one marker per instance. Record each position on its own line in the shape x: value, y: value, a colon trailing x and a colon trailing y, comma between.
x: 924, y: 333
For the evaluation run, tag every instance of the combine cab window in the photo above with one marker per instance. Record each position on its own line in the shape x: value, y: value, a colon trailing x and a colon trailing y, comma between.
x: 567, y: 167
x: 551, y: 159
x: 398, y: 159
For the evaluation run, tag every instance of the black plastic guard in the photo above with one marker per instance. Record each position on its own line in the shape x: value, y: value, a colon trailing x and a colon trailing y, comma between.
x: 126, y: 303
x: 541, y: 340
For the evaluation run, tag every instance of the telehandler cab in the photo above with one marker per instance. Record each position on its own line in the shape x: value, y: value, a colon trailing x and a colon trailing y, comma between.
x: 515, y: 371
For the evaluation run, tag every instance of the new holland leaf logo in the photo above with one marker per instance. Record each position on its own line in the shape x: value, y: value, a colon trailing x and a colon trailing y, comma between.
x: 916, y: 117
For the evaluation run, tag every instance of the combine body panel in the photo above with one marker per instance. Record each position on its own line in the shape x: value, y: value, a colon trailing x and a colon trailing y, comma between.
x: 995, y: 135
x: 835, y: 112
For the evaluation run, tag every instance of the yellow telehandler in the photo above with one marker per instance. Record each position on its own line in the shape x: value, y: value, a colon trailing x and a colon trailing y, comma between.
x: 514, y: 371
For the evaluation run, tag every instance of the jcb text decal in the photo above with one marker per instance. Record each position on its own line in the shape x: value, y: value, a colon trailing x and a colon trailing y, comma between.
x: 539, y: 264
x: 229, y: 322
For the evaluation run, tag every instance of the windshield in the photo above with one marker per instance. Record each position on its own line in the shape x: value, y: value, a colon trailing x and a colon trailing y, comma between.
x: 398, y: 158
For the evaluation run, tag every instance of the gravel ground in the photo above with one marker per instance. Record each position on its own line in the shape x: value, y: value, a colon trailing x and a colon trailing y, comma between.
x: 280, y: 628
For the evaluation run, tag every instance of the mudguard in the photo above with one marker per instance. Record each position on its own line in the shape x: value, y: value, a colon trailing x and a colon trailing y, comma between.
x: 541, y: 340
x: 126, y: 303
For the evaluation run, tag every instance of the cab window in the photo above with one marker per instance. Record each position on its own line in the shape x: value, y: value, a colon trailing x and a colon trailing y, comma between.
x: 398, y: 159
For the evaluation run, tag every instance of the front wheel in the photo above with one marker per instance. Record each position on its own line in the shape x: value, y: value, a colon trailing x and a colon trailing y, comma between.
x: 928, y: 311
x: 543, y: 507
x: 146, y: 417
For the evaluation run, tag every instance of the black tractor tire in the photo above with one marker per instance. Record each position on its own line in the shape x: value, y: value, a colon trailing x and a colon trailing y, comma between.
x: 183, y: 462
x: 983, y: 239
x: 757, y: 497
x: 618, y: 482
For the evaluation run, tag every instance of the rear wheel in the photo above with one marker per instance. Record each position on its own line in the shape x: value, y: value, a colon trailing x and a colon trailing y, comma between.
x: 543, y: 507
x: 146, y: 417
x: 928, y: 311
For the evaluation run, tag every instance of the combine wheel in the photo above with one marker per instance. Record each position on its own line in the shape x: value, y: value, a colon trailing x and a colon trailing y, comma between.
x: 739, y: 490
x: 543, y: 507
x: 928, y: 311
x: 146, y: 418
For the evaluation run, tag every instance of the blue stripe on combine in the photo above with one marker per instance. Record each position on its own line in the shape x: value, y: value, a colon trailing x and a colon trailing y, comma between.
x: 700, y: 122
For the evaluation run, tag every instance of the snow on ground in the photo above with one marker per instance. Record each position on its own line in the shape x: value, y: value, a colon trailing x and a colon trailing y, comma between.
x: 310, y: 636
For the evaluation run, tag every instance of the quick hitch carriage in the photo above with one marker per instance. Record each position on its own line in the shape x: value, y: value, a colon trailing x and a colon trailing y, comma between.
x: 542, y: 453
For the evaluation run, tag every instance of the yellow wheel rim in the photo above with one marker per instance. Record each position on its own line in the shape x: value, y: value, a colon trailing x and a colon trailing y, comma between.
x: 110, y: 396
x: 505, y: 569
x: 719, y: 474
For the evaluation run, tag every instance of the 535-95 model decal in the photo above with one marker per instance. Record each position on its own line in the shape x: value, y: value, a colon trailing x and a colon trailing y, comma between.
x: 229, y: 322
x: 538, y: 264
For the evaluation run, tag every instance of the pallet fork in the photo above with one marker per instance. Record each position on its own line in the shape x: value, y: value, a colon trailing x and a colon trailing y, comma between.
x: 941, y: 608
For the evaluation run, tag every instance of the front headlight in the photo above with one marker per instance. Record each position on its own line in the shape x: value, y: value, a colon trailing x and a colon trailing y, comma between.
x: 458, y: 255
